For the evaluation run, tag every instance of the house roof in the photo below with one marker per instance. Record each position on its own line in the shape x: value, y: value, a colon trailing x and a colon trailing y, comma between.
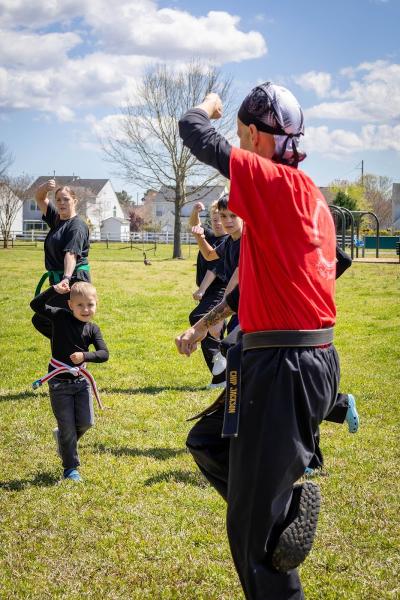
x: 123, y: 221
x: 207, y: 194
x: 94, y: 185
x: 328, y: 194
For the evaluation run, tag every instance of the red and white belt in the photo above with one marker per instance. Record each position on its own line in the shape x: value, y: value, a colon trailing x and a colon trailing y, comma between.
x: 78, y: 371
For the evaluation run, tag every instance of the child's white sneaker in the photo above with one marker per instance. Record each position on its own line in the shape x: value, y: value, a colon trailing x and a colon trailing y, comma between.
x: 57, y: 441
x: 219, y: 364
x: 212, y: 386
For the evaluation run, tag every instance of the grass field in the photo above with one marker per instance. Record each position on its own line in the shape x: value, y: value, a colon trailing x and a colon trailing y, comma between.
x: 145, y: 525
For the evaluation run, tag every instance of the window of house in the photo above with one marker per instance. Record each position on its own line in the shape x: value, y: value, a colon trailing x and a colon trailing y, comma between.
x: 33, y: 205
x: 114, y: 211
x: 159, y: 212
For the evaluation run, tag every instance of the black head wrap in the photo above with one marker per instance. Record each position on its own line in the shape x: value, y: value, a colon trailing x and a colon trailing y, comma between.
x: 273, y: 109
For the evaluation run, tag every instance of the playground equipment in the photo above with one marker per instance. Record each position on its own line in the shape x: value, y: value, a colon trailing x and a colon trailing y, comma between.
x: 354, y: 217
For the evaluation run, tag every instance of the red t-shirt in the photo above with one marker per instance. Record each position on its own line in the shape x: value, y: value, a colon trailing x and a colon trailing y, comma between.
x: 288, y: 251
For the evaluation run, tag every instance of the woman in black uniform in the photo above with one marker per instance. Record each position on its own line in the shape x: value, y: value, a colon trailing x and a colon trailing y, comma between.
x: 66, y: 246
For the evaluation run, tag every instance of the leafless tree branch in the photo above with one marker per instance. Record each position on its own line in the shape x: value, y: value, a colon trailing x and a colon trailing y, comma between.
x: 147, y: 148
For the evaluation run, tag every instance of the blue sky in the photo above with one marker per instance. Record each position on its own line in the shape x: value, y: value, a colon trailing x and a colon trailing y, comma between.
x: 66, y: 66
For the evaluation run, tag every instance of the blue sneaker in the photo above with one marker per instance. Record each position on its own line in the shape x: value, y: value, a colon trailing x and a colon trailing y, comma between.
x: 309, y: 472
x: 352, y: 418
x: 72, y: 474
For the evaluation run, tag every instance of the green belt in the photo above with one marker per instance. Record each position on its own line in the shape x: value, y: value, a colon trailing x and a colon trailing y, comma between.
x: 56, y: 276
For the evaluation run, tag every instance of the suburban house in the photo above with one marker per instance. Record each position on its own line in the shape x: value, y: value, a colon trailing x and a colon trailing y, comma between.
x: 115, y: 228
x: 97, y: 202
x: 163, y: 208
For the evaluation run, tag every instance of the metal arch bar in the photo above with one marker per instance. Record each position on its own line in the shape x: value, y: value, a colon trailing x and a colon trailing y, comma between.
x: 347, y: 212
x: 362, y: 213
x: 337, y: 210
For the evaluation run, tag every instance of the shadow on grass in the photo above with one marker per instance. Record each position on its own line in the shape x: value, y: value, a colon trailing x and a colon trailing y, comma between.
x: 39, y: 480
x: 157, y: 453
x: 152, y: 389
x: 26, y: 395
x: 179, y: 476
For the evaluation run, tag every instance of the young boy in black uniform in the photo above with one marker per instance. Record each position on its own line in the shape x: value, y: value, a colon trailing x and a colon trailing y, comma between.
x: 228, y: 250
x: 69, y: 382
x: 211, y: 286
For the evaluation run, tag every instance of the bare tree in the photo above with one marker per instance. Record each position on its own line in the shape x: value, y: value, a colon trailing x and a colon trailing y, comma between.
x: 6, y: 160
x: 12, y: 197
x: 378, y: 192
x: 86, y: 202
x: 147, y: 147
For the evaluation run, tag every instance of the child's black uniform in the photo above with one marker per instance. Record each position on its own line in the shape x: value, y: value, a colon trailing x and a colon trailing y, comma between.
x: 229, y: 251
x: 212, y: 297
x: 71, y: 397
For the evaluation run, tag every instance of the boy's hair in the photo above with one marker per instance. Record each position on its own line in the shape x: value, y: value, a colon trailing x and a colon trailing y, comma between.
x: 213, y: 208
x: 83, y: 288
x: 222, y: 203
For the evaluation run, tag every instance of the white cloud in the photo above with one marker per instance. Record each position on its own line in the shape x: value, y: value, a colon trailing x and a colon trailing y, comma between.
x: 373, y: 97
x: 140, y: 27
x: 38, y: 13
x: 33, y: 51
x: 38, y: 71
x: 95, y: 80
x: 339, y: 142
x: 319, y: 82
x: 335, y: 110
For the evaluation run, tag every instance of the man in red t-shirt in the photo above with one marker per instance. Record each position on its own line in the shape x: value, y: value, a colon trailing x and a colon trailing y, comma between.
x: 283, y: 375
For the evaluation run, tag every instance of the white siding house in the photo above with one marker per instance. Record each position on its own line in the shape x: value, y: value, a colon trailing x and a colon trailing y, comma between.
x: 163, y: 208
x: 115, y: 229
x: 97, y: 202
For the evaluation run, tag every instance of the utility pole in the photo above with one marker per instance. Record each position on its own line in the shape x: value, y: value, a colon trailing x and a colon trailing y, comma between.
x: 362, y: 173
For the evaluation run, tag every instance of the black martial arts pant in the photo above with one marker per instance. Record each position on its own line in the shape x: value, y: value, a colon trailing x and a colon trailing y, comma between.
x: 210, y: 345
x: 285, y: 394
x: 337, y: 414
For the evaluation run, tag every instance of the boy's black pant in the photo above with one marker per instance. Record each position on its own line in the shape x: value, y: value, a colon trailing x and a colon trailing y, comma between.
x: 210, y: 345
x: 285, y: 394
x: 72, y: 404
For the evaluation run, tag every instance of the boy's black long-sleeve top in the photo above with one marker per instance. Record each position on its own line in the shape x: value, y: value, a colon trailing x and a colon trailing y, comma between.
x: 70, y: 335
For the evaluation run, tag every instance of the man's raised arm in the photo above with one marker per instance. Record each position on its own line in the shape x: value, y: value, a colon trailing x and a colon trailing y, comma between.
x: 204, y: 142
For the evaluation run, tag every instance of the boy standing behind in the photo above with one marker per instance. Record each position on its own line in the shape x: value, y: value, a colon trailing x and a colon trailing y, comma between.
x: 70, y: 389
x: 228, y: 250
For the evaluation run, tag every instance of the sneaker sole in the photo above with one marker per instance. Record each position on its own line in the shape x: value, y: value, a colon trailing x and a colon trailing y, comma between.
x: 296, y: 540
x: 352, y: 418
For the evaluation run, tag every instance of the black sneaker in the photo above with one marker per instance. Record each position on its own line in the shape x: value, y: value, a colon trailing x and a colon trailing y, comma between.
x: 298, y: 534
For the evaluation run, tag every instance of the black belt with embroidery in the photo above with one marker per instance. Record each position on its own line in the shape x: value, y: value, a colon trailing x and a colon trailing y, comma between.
x: 252, y: 341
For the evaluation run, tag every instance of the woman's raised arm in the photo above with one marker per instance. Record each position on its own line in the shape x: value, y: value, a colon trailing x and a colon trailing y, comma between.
x: 41, y: 194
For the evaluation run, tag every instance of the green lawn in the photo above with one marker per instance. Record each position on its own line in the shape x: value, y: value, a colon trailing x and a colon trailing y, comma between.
x: 145, y: 525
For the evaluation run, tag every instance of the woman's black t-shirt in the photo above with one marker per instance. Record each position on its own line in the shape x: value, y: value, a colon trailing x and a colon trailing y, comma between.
x: 71, y: 235
x: 216, y: 266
